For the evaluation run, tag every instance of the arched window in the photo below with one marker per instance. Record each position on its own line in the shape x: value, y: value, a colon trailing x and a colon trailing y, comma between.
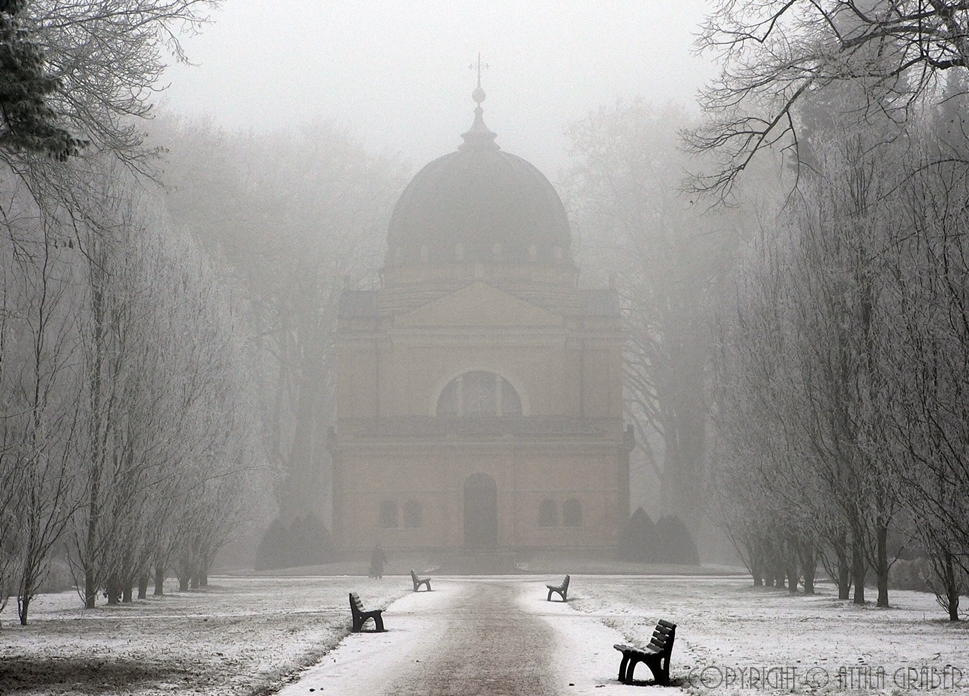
x: 412, y: 514
x: 388, y: 514
x: 572, y: 513
x: 479, y: 393
x: 547, y: 514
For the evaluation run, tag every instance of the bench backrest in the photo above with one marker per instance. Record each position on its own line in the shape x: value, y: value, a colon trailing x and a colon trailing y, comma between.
x: 356, y: 606
x: 413, y: 575
x: 663, y: 635
x: 565, y: 583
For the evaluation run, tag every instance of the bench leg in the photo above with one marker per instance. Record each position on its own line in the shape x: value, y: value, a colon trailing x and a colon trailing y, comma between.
x: 378, y: 622
x: 622, y: 668
x: 629, y: 670
x: 550, y: 595
x: 661, y: 675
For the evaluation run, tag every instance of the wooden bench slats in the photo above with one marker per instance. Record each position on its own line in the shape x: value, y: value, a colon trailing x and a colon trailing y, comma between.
x: 656, y: 655
x: 562, y: 590
x: 418, y: 581
x: 361, y: 616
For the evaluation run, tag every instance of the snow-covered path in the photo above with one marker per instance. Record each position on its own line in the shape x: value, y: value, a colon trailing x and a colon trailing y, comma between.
x: 473, y: 636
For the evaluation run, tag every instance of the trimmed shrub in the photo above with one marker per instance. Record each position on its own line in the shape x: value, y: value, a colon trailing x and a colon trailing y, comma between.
x: 273, y: 549
x: 637, y: 543
x: 674, y: 543
x: 306, y: 541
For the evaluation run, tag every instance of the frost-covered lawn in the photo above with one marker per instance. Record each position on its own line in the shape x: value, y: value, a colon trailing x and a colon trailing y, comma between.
x: 238, y: 636
x: 251, y: 635
x: 725, y: 624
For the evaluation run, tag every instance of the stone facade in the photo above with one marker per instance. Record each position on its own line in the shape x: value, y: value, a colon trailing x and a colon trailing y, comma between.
x: 479, y: 398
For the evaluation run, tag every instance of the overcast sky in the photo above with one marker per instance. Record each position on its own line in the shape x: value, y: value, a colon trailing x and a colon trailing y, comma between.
x: 396, y: 74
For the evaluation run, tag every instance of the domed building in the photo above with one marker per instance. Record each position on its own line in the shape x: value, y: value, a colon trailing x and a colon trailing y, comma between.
x: 479, y: 395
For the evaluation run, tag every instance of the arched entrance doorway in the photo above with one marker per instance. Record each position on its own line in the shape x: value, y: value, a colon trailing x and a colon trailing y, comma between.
x: 480, y: 512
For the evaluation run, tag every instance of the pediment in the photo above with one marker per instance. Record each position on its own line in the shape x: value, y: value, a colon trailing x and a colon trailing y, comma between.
x: 478, y: 304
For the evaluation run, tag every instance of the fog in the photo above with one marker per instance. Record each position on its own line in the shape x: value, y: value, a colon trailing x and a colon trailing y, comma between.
x: 396, y: 73
x: 510, y: 289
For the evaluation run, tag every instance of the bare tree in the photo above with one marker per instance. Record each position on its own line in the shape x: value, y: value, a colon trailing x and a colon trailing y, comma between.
x: 100, y: 62
x: 925, y: 357
x: 296, y: 216
x: 666, y: 257
x: 40, y: 384
x: 779, y: 53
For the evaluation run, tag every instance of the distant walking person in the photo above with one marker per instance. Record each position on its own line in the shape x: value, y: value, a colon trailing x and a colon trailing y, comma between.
x: 377, y: 561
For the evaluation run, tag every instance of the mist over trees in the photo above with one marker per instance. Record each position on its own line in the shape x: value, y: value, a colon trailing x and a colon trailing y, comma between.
x: 774, y: 56
x: 796, y: 360
x: 839, y: 395
x: 665, y: 256
x: 797, y: 373
x: 129, y: 432
x: 128, y: 429
x: 296, y: 216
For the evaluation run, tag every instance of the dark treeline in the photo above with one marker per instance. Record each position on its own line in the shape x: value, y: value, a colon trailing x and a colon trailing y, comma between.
x: 165, y: 301
x: 841, y: 374
x: 840, y: 390
x: 126, y: 395
x: 797, y: 361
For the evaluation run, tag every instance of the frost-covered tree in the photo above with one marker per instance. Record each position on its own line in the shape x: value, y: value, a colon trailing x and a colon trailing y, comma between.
x: 39, y: 381
x: 666, y: 257
x: 80, y: 73
x: 28, y: 123
x: 777, y: 54
x: 295, y: 216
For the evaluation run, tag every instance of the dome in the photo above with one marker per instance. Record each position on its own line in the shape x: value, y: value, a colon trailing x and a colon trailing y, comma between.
x: 479, y: 204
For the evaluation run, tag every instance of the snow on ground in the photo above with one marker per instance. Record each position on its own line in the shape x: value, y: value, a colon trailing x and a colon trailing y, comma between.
x: 246, y: 635
x: 585, y: 657
x: 237, y: 636
x: 732, y: 634
x: 364, y: 663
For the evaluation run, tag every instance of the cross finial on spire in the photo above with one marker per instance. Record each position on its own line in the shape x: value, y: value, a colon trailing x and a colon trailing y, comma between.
x: 479, y: 137
x: 479, y: 94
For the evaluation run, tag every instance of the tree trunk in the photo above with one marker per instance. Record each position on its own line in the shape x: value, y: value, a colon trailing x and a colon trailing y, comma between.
x: 881, y: 565
x: 23, y: 603
x: 790, y: 562
x: 858, y: 571
x: 90, y: 591
x: 756, y: 564
x: 159, y: 580
x: 94, y: 490
x: 808, y: 560
x: 114, y: 590
x: 844, y: 570
x: 143, y: 586
x: 951, y: 588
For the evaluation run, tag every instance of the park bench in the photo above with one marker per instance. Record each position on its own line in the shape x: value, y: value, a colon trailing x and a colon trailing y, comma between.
x: 656, y: 655
x: 418, y: 581
x: 360, y: 615
x: 562, y: 589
